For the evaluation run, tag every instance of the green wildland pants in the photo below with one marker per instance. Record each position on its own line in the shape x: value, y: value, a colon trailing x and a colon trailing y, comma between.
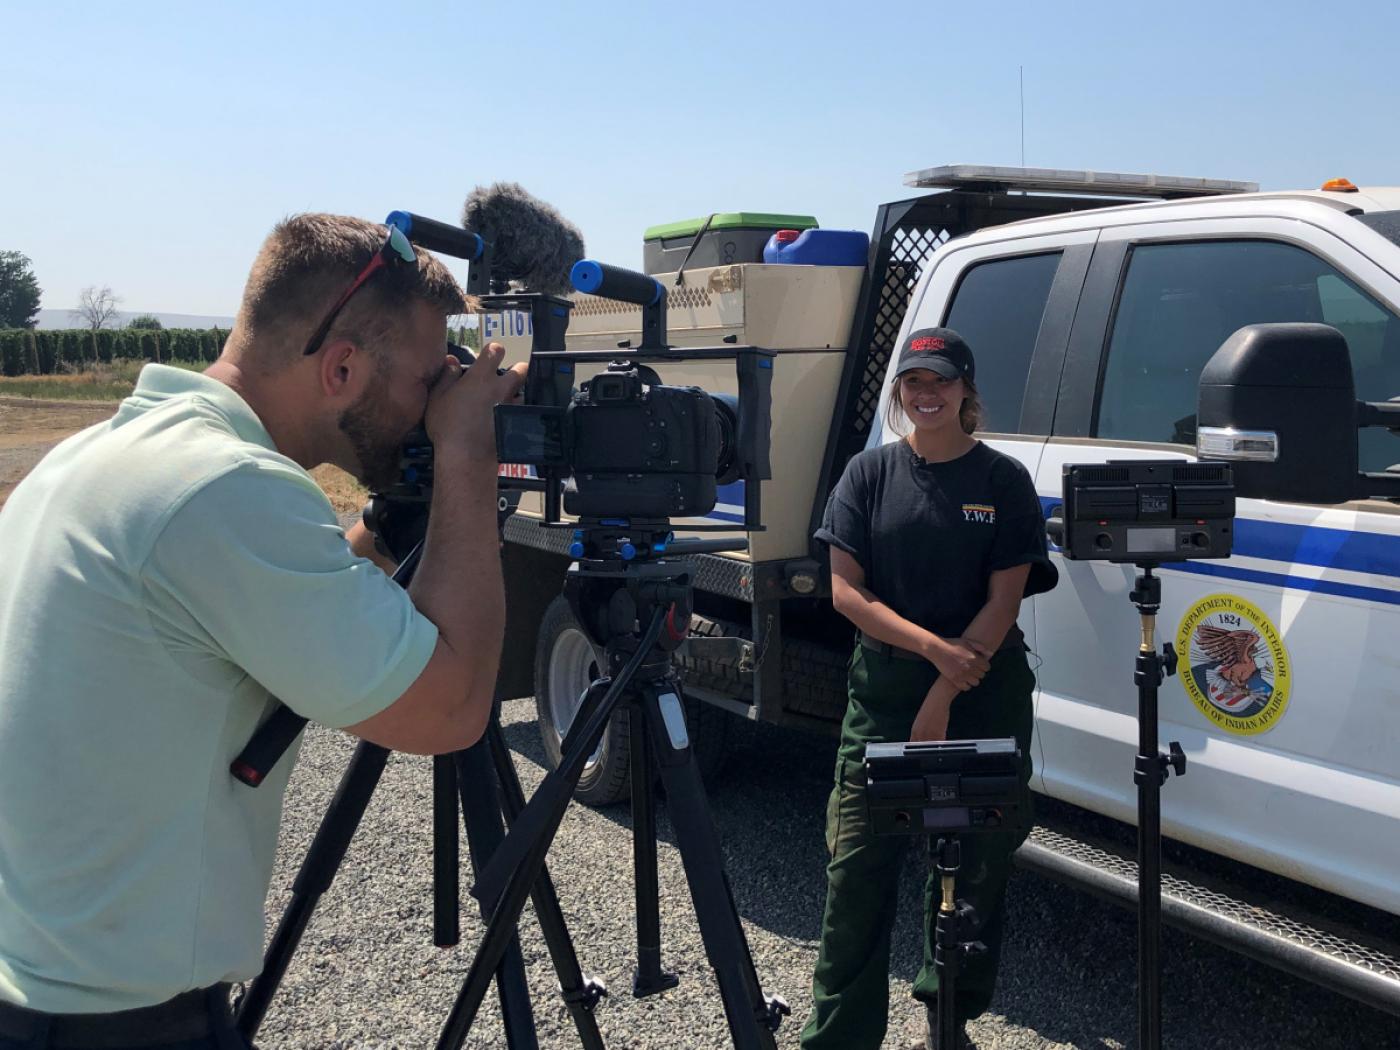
x: 851, y: 986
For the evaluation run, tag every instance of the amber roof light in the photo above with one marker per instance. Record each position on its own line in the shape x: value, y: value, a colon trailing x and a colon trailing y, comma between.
x: 1339, y: 185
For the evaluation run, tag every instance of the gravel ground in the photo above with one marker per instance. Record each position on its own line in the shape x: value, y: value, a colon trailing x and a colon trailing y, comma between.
x: 367, y: 974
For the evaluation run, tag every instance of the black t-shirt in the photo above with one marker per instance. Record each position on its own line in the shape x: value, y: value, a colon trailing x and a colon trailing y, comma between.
x: 929, y: 535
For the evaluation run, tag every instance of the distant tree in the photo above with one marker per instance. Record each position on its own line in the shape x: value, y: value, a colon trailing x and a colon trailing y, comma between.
x: 96, y: 308
x: 71, y: 349
x: 19, y: 291
x: 150, y: 321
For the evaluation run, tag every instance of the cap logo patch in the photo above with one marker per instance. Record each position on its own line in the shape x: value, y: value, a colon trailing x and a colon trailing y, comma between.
x: 927, y: 342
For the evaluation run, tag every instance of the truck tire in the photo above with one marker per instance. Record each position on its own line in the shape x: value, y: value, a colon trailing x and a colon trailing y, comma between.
x: 565, y: 662
x: 814, y: 680
x: 709, y: 725
x: 711, y: 674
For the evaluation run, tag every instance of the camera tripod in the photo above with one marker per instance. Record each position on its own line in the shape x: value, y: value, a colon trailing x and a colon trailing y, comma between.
x: 1150, y: 771
x: 473, y: 777
x: 610, y: 596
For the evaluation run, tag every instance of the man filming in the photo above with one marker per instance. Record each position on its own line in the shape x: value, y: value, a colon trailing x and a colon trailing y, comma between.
x: 166, y: 574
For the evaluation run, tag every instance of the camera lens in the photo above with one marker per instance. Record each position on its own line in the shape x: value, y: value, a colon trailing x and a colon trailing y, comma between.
x: 727, y: 420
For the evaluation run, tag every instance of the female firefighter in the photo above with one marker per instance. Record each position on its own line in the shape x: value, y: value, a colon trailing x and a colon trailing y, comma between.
x: 934, y: 541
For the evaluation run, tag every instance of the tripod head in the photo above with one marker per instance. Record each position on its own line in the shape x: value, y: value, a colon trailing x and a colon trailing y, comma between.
x: 627, y: 569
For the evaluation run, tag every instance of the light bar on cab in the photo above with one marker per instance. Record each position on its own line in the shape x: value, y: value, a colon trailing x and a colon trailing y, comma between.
x: 1040, y: 180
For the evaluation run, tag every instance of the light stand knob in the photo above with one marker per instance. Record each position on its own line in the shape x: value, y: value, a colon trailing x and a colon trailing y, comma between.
x: 1176, y: 759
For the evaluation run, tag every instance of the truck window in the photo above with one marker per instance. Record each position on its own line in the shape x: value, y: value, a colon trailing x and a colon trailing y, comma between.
x: 997, y: 308
x: 1179, y: 302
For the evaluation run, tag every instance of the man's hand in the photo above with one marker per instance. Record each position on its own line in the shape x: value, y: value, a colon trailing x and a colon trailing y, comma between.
x: 962, y: 661
x: 460, y: 419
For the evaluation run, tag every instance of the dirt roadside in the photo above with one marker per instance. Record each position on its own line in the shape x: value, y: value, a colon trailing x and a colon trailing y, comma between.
x: 29, y: 428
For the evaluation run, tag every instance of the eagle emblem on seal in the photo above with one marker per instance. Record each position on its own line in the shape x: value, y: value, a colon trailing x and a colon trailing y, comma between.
x: 1235, y: 671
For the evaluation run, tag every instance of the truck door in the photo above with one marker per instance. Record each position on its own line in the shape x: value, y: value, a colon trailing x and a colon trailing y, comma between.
x: 1292, y: 738
x: 1013, y: 301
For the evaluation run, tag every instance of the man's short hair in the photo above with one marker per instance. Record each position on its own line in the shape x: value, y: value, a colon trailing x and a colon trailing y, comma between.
x: 307, y: 263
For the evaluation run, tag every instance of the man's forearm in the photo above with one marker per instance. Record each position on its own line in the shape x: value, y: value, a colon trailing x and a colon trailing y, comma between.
x: 458, y: 582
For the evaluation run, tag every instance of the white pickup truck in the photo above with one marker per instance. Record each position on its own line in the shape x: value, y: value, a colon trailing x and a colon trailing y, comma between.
x: 1091, y: 317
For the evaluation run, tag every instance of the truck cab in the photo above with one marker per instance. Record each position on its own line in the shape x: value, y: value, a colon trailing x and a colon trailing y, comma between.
x: 1091, y: 331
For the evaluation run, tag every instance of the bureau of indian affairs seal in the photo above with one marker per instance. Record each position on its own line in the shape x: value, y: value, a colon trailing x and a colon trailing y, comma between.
x: 1237, y: 668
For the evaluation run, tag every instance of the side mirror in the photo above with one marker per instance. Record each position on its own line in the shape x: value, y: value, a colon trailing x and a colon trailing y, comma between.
x: 1278, y: 402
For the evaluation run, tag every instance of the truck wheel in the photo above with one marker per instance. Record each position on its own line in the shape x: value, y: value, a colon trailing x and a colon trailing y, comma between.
x: 565, y: 663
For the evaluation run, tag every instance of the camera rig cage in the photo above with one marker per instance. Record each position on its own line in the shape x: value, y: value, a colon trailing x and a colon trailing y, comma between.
x: 578, y: 441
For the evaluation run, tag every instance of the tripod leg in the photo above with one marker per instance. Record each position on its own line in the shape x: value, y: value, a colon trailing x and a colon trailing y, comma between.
x: 581, y: 993
x: 538, y: 821
x: 649, y: 977
x: 520, y: 874
x: 481, y: 813
x: 317, y: 872
x: 446, y: 889
x: 752, y: 1017
x: 517, y: 864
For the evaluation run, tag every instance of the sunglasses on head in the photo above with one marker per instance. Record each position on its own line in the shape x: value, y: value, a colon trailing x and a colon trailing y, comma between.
x: 395, y: 246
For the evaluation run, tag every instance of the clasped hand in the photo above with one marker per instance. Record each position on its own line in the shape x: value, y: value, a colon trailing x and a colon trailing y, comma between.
x: 963, y: 661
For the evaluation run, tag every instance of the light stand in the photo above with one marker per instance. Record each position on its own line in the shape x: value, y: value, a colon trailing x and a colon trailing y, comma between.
x: 1150, y: 771
x: 955, y: 919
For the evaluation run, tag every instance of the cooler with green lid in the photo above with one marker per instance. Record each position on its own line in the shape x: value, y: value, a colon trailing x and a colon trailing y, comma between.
x: 730, y: 237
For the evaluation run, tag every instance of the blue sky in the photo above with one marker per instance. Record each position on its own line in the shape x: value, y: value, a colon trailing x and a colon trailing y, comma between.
x: 151, y: 146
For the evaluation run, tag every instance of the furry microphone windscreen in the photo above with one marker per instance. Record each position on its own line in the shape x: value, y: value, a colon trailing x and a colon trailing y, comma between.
x: 531, y: 242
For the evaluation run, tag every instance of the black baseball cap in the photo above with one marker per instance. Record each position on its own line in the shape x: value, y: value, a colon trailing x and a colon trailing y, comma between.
x: 939, y: 350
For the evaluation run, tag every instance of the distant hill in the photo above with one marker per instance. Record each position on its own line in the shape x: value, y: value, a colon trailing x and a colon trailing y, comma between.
x: 64, y: 319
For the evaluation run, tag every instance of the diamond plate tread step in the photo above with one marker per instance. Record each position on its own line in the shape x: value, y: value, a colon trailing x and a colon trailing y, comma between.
x: 1340, y: 955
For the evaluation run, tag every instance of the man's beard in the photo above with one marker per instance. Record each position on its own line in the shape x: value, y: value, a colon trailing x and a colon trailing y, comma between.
x: 377, y: 452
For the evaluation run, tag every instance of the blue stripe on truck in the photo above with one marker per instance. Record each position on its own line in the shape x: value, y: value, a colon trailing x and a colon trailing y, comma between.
x: 1297, y: 583
x: 1370, y: 552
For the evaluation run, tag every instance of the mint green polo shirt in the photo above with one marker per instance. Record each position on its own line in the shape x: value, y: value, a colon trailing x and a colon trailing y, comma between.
x: 163, y: 575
